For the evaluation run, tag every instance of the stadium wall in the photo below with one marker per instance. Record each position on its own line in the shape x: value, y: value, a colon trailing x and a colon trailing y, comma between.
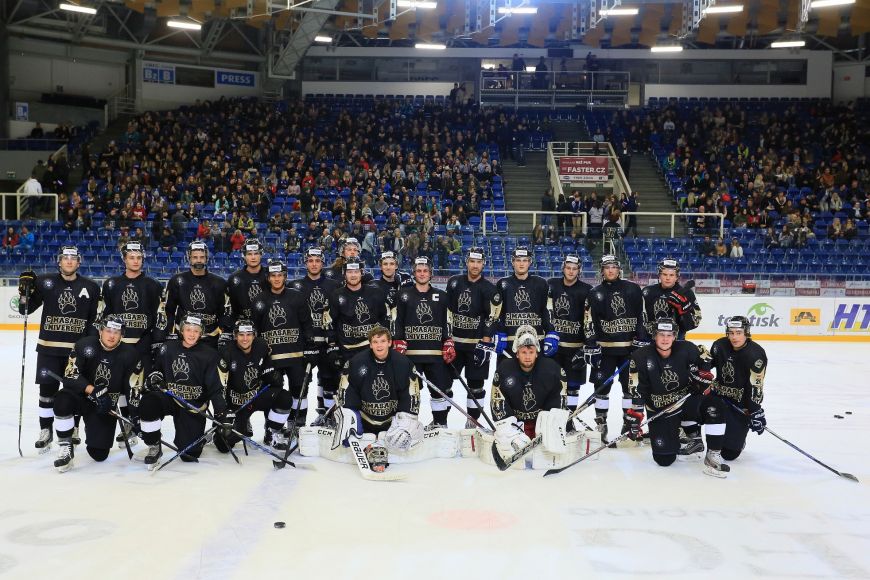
x: 374, y: 88
x: 163, y: 94
x: 851, y: 81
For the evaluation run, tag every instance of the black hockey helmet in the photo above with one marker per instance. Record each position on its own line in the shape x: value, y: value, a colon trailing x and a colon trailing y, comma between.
x: 113, y: 322
x: 133, y: 246
x: 191, y: 320
x: 352, y: 264
x: 351, y: 243
x: 243, y: 325
x: 739, y: 322
x: 388, y: 255
x: 252, y: 245
x: 313, y: 252
x: 475, y: 253
x: 609, y: 260
x: 197, y: 246
x: 423, y: 261
x: 571, y: 259
x: 521, y: 252
x: 69, y: 250
x: 665, y: 325
x: 669, y: 264
x: 276, y: 266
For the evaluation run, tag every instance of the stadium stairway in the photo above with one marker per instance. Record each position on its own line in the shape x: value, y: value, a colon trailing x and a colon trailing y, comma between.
x: 523, y: 188
x: 113, y: 132
x: 653, y: 196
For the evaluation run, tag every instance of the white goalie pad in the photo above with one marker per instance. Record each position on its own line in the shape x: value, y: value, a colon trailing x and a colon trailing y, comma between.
x: 317, y: 442
x: 475, y: 443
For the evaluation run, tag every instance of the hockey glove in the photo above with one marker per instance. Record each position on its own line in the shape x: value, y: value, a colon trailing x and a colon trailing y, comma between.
x: 637, y: 343
x: 224, y: 340
x: 757, y: 422
x: 26, y: 283
x: 333, y: 355
x: 448, y: 351
x: 405, y: 431
x: 509, y: 436
x: 632, y: 419
x: 155, y: 382
x: 592, y: 354
x: 101, y: 400
x: 310, y: 354
x: 500, y: 341
x: 551, y: 344
x: 679, y: 302
x: 400, y: 346
x: 481, y: 353
x: 578, y: 361
x: 702, y: 379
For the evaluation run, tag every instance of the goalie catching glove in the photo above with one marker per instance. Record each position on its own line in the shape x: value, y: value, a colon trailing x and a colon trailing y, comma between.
x: 405, y: 431
x: 552, y: 426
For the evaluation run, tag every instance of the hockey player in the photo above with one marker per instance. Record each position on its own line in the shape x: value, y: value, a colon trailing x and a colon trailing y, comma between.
x: 614, y: 327
x: 282, y: 319
x: 247, y: 367
x: 669, y: 299
x: 522, y: 298
x: 741, y: 365
x: 350, y: 249
x: 187, y: 367
x: 354, y: 309
x: 661, y: 374
x: 528, y: 394
x: 246, y: 284
x: 469, y: 297
x: 316, y: 290
x: 69, y: 303
x: 100, y: 370
x: 422, y: 324
x: 391, y: 279
x: 568, y: 295
x: 200, y: 293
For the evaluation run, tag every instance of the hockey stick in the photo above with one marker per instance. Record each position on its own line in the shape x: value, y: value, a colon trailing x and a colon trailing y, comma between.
x: 669, y: 409
x: 117, y: 413
x: 134, y: 429
x: 295, y: 430
x: 441, y: 393
x: 798, y: 449
x: 23, y: 357
x: 184, y: 451
x: 362, y: 462
x: 473, y: 398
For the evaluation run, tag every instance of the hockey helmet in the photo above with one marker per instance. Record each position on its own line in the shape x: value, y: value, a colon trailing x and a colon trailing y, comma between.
x: 191, y: 320
x: 571, y: 259
x: 352, y: 264
x: 609, y: 260
x: 69, y: 251
x: 197, y: 246
x: 133, y: 246
x: 521, y: 252
x: 665, y: 325
x: 526, y: 336
x: 244, y: 326
x: 276, y: 266
x: 350, y: 243
x: 389, y: 255
x: 252, y: 245
x: 313, y: 252
x: 475, y: 253
x: 669, y: 264
x: 738, y: 322
x: 423, y: 261
x: 113, y: 322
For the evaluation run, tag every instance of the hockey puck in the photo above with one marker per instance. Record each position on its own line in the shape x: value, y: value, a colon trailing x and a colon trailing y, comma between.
x: 838, y: 416
x: 280, y: 525
x: 848, y: 412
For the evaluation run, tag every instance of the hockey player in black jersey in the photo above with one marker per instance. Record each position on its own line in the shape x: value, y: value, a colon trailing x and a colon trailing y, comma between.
x: 281, y: 316
x: 741, y: 365
x: 663, y: 373
x: 69, y: 303
x: 568, y: 295
x: 469, y: 297
x: 200, y: 293
x: 316, y: 290
x: 247, y: 367
x: 614, y: 327
x: 668, y: 299
x: 528, y: 392
x: 354, y: 309
x: 391, y: 278
x: 522, y: 298
x: 422, y: 332
x: 246, y: 284
x: 189, y: 369
x: 100, y: 370
x: 350, y: 249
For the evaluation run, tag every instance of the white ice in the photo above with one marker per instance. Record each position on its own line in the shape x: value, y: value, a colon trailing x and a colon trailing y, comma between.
x: 778, y: 514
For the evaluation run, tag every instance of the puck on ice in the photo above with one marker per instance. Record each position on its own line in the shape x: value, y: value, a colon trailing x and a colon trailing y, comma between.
x: 848, y: 412
x: 280, y: 525
x: 838, y: 416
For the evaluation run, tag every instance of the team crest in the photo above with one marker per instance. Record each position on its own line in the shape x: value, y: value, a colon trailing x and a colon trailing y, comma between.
x: 380, y: 388
x: 66, y: 302
x: 529, y: 401
x: 424, y: 313
x: 464, y: 302
x: 181, y: 370
x: 317, y: 300
x: 562, y: 306
x: 522, y: 299
x: 728, y: 372
x: 617, y: 305
x: 130, y: 299
x: 361, y: 310
x: 102, y: 376
x: 253, y: 291
x: 250, y: 376
x: 670, y: 380
x: 197, y: 299
x: 661, y: 309
x: 277, y: 315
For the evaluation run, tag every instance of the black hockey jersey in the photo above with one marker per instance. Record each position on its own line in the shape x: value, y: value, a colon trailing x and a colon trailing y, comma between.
x: 282, y: 320
x: 119, y: 370
x: 523, y: 395
x: 137, y: 302
x: 243, y: 288
x: 379, y: 389
x: 569, y: 306
x: 391, y: 287
x: 246, y: 373
x: 353, y: 313
x: 69, y: 310
x: 518, y: 302
x: 740, y: 373
x: 656, y: 306
x: 203, y: 296
x: 192, y: 373
x: 661, y: 381
x: 316, y: 294
x: 614, y: 316
x: 422, y: 319
x: 470, y: 304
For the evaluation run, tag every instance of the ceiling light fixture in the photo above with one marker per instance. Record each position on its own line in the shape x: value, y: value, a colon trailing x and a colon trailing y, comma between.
x: 788, y: 44
x: 620, y: 12
x: 185, y: 24
x: 830, y: 3
x: 667, y: 48
x: 320, y: 38
x: 77, y: 8
x: 724, y: 9
x: 430, y: 46
x: 416, y: 4
x: 518, y: 10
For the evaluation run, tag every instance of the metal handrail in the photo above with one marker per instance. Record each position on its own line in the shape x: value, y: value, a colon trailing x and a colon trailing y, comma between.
x: 535, y: 215
x: 674, y: 215
x: 20, y: 197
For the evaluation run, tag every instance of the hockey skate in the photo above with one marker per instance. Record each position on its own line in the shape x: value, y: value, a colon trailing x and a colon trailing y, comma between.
x: 433, y: 426
x: 44, y: 441
x: 278, y: 441
x: 469, y: 424
x: 249, y: 428
x: 76, y: 440
x: 714, y: 466
x: 601, y: 427
x: 65, y: 456
x: 690, y: 449
x: 155, y: 452
x: 126, y: 433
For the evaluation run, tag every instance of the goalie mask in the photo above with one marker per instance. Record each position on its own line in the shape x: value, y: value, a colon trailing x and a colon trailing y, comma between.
x: 526, y: 336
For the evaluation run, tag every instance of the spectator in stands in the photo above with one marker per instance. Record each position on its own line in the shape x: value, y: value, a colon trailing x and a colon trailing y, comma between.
x: 706, y: 248
x: 736, y: 249
x: 179, y: 224
x: 39, y: 171
x: 167, y: 240
x: 850, y: 232
x: 10, y: 240
x: 740, y: 219
x: 721, y: 248
x: 69, y: 220
x: 141, y: 236
x: 369, y: 248
x: 612, y: 232
x: 786, y: 237
x: 835, y: 230
x: 596, y: 220
x: 548, y: 203
x: 237, y: 241
x: 26, y: 239
x: 326, y: 241
x: 578, y: 208
x: 291, y: 241
x: 203, y: 230
x: 32, y: 186
x: 538, y: 237
x: 541, y: 74
x: 564, y: 208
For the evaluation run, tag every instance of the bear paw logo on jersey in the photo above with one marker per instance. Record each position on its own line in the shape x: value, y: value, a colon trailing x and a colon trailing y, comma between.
x: 250, y: 376
x: 361, y: 311
x: 380, y: 388
x: 661, y: 309
x: 197, y: 299
x: 728, y: 372
x: 181, y: 370
x: 254, y: 290
x: 130, y: 299
x: 529, y: 401
x: 424, y: 313
x: 66, y: 302
x: 317, y: 300
x: 277, y: 315
x: 464, y: 302
x: 670, y: 380
x: 562, y: 306
x: 102, y: 376
x: 617, y: 305
x: 522, y: 299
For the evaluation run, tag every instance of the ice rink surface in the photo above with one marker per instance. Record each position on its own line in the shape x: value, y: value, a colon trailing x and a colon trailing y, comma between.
x: 777, y: 515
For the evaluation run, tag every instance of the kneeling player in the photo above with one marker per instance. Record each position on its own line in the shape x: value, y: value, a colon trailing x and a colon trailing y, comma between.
x: 246, y: 365
x: 99, y: 371
x: 661, y: 374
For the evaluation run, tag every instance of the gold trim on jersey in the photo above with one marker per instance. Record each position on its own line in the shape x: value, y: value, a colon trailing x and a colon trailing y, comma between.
x: 355, y: 345
x: 615, y: 344
x: 130, y: 340
x: 571, y: 344
x: 410, y: 352
x: 286, y: 355
x: 55, y: 344
x: 466, y: 340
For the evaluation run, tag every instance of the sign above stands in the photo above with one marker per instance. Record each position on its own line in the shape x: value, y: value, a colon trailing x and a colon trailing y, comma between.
x: 586, y: 168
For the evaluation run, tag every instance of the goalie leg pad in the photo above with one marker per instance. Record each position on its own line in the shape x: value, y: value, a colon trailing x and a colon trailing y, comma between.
x: 317, y: 442
x: 577, y: 445
x: 552, y: 426
x: 487, y: 440
x: 470, y: 443
x: 439, y: 443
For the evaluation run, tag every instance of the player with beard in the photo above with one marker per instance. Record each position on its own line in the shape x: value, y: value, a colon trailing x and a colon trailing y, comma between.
x: 246, y: 284
x: 282, y: 318
x: 469, y: 298
x: 354, y: 309
x: 568, y: 295
x: 350, y: 249
x: 669, y: 299
x: 69, y: 303
x: 100, y: 371
x: 422, y: 322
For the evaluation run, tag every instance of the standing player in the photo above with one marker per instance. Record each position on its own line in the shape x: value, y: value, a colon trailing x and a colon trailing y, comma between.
x: 663, y: 373
x: 354, y: 309
x: 201, y: 294
x: 521, y: 299
x: 614, y: 328
x: 100, y: 371
x: 741, y: 364
x: 391, y: 279
x: 568, y: 295
x: 350, y: 249
x: 281, y: 317
x: 422, y: 324
x: 246, y: 284
x: 189, y: 369
x: 469, y: 297
x: 69, y: 309
x: 668, y: 299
